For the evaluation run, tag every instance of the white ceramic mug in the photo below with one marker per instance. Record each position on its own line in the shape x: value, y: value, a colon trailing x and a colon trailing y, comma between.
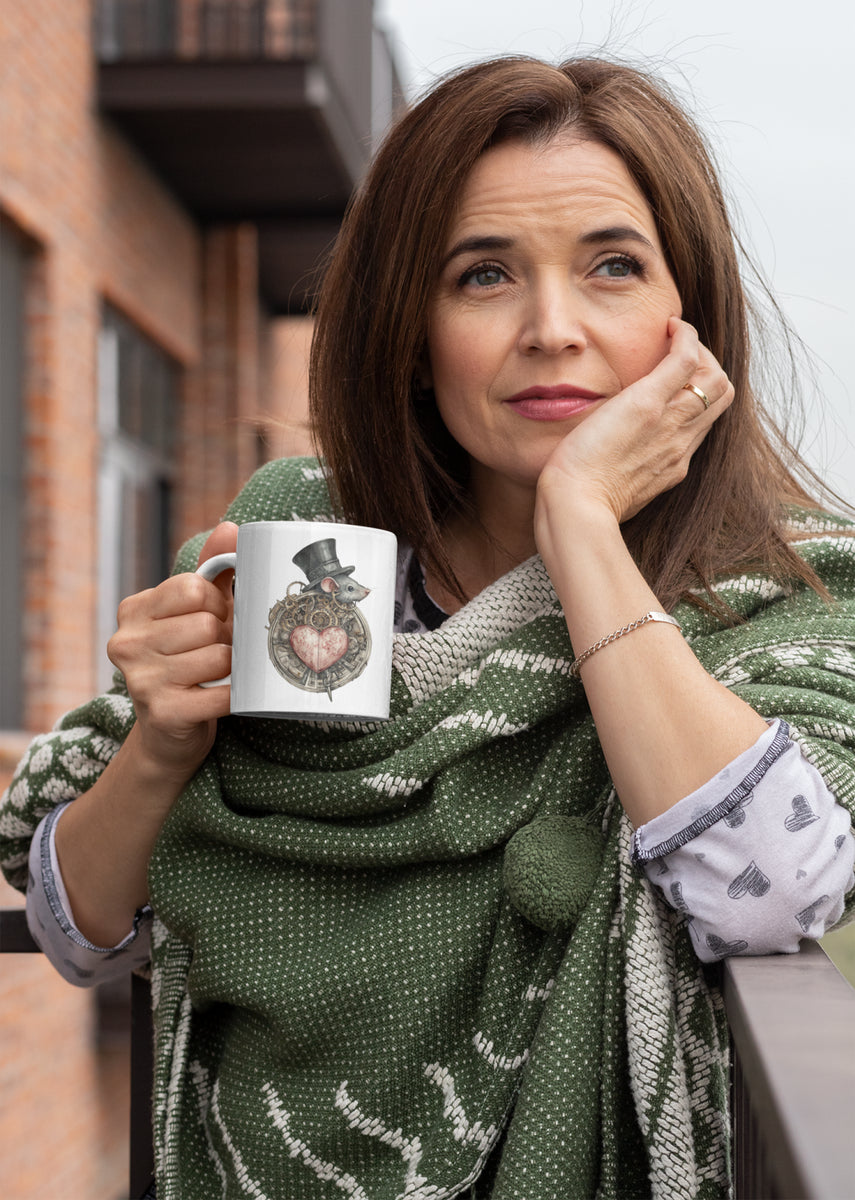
x: 312, y: 638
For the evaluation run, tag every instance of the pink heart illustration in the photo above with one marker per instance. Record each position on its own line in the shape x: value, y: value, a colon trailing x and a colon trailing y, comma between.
x: 319, y: 649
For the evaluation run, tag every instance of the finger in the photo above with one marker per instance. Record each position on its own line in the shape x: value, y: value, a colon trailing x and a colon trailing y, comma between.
x: 175, y: 711
x: 700, y: 394
x: 200, y: 666
x: 165, y: 679
x: 180, y: 595
x: 678, y: 365
x: 707, y: 380
x: 714, y: 391
x: 191, y: 631
x: 712, y: 378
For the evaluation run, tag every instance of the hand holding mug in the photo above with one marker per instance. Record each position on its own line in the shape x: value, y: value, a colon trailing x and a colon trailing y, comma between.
x: 170, y: 639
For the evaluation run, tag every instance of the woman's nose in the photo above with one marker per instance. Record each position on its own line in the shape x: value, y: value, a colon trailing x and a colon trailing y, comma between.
x: 553, y: 321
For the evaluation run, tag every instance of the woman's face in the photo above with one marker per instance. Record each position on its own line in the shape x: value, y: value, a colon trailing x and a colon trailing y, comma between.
x: 554, y: 295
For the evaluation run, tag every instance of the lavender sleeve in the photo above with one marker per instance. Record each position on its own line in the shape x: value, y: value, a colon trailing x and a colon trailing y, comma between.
x: 758, y: 858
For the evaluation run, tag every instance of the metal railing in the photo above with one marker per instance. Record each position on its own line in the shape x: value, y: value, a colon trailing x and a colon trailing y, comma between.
x: 15, y: 938
x: 792, y: 1022
x: 206, y: 29
x: 333, y: 40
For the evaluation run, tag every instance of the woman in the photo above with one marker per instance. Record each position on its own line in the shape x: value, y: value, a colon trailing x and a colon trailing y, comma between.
x: 463, y: 952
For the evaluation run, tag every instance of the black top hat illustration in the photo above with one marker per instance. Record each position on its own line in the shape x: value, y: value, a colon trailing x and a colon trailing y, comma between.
x: 319, y: 560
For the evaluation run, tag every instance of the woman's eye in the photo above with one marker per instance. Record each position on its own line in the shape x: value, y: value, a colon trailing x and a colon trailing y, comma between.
x: 619, y: 266
x: 484, y: 277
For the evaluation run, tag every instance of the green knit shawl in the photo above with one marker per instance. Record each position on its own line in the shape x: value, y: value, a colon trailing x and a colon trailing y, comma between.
x: 384, y: 950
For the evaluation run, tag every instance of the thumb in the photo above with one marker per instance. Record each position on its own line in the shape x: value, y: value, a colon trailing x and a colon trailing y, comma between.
x: 222, y: 540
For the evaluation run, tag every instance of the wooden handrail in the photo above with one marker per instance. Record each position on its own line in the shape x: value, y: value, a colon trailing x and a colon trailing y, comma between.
x: 792, y: 1023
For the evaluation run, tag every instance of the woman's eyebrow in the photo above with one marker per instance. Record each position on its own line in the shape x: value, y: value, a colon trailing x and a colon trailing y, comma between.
x: 478, y: 244
x: 616, y: 233
x: 484, y: 243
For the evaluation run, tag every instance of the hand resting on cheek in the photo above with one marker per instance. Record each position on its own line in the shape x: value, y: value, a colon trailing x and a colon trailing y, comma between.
x: 639, y: 443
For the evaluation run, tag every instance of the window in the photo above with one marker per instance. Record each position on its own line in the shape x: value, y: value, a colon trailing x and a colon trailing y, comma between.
x: 13, y: 264
x: 137, y: 406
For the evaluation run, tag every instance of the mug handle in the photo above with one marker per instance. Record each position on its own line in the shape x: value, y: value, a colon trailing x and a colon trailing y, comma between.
x: 210, y: 570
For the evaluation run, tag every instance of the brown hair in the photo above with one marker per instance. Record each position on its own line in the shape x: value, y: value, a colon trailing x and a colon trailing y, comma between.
x: 389, y: 457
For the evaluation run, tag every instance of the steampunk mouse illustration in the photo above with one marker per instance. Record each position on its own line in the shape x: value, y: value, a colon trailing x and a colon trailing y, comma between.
x: 318, y: 638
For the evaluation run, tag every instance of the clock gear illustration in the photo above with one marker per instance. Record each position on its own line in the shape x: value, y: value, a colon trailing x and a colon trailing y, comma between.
x: 317, y: 637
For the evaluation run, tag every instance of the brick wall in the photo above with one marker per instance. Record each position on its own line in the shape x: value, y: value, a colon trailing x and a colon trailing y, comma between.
x: 100, y: 226
x: 251, y: 383
x: 222, y: 394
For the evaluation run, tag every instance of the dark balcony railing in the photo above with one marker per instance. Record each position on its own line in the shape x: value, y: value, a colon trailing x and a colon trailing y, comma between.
x: 329, y: 45
x: 15, y: 938
x: 198, y: 29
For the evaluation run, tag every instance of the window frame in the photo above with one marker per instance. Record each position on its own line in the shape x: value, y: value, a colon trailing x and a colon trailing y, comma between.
x: 132, y: 465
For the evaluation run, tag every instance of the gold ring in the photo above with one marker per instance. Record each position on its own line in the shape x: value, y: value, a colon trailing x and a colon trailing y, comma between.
x: 702, y: 396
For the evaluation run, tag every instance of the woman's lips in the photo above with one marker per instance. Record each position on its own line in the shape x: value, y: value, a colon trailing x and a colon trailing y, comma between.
x: 554, y: 403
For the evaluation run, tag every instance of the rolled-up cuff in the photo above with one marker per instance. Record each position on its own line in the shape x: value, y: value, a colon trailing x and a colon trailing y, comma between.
x: 712, y: 802
x: 756, y: 871
x: 52, y: 925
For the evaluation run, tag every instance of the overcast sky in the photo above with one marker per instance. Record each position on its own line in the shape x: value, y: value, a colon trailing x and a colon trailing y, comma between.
x: 773, y: 85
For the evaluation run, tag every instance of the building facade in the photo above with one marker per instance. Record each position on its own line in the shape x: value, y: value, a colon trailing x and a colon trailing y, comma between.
x: 171, y: 171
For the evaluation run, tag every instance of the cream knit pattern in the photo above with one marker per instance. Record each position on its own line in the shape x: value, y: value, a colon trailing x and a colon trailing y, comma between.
x: 348, y: 1000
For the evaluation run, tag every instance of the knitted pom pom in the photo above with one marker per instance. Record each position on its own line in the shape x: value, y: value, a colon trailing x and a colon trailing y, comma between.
x: 550, y: 869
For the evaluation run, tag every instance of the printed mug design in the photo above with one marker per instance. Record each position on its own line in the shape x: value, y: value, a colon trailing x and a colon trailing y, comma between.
x: 317, y: 637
